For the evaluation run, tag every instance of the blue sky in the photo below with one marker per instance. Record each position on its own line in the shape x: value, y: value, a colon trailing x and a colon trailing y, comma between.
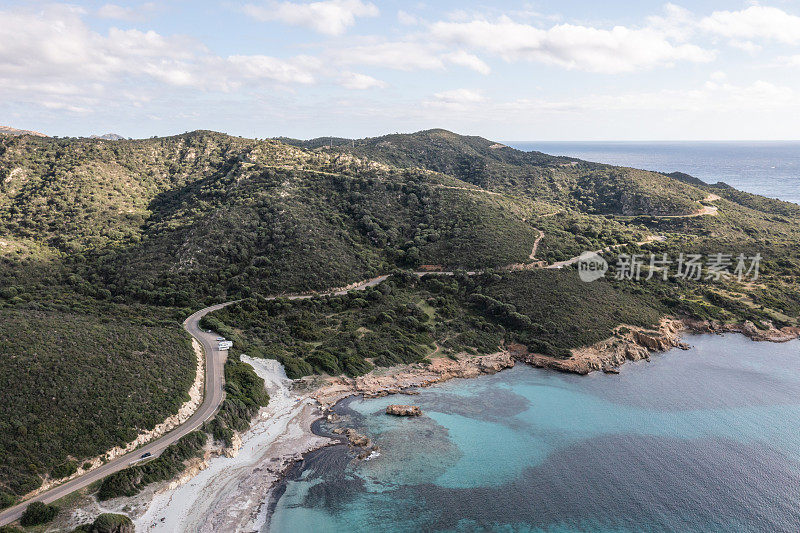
x: 581, y: 70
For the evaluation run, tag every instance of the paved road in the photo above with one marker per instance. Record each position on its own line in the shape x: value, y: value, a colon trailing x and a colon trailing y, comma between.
x: 214, y: 394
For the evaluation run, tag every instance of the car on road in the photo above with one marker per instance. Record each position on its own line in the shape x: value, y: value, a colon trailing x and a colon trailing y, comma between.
x: 146, y: 455
x: 220, y: 338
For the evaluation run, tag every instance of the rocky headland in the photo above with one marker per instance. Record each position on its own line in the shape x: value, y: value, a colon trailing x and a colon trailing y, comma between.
x: 296, y: 405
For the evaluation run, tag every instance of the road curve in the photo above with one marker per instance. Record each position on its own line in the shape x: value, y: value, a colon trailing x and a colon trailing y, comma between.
x: 214, y: 392
x: 212, y: 398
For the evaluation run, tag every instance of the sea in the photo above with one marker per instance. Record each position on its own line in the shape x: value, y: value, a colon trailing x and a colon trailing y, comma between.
x: 704, y: 440
x: 769, y: 168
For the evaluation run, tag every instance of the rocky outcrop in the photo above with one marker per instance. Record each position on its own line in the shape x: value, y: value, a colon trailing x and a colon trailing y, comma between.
x: 14, y: 131
x: 194, y: 467
x: 748, y: 329
x: 357, y: 440
x: 409, y: 376
x: 403, y: 410
x: 236, y: 444
x: 629, y: 343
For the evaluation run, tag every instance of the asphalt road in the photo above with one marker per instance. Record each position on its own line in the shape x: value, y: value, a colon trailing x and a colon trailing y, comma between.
x: 212, y: 398
x: 214, y: 394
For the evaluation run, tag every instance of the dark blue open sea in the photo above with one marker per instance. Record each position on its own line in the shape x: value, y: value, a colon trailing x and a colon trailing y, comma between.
x: 770, y: 168
x: 705, y: 440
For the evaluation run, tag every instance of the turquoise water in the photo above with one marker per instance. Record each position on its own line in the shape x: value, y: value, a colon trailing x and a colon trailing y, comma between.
x: 768, y: 168
x: 700, y: 440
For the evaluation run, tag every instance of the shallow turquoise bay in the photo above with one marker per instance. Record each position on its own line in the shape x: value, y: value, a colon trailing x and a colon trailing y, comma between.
x: 700, y: 440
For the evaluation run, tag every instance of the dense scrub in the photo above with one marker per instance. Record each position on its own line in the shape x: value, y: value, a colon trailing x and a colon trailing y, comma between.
x: 279, y: 230
x: 105, y: 247
x: 108, y: 523
x: 244, y: 396
x: 405, y: 320
x: 399, y: 321
x: 589, y: 187
x: 552, y: 311
x: 38, y: 513
x: 74, y: 385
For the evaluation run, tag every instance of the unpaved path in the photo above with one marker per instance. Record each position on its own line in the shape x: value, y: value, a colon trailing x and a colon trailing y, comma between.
x: 536, y: 245
x: 573, y: 260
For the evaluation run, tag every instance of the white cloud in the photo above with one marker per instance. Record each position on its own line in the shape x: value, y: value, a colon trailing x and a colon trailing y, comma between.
x: 331, y: 17
x: 677, y: 22
x: 117, y: 12
x: 298, y: 70
x: 788, y: 61
x: 755, y: 22
x: 52, y: 59
x: 399, y: 55
x: 54, y: 43
x: 407, y: 56
x: 460, y: 96
x: 354, y: 80
x: 619, y: 49
x: 746, y: 46
x: 407, y: 19
x: 712, y: 96
x: 468, y: 60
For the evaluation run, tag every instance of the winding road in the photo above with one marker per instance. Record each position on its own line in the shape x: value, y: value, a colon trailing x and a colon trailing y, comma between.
x: 214, y: 392
x: 212, y: 398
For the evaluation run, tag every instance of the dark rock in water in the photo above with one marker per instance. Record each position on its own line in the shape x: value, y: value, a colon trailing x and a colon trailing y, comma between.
x: 403, y: 410
x: 357, y: 439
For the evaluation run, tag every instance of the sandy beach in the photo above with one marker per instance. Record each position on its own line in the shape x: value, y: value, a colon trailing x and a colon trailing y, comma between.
x: 228, y: 494
x: 231, y: 491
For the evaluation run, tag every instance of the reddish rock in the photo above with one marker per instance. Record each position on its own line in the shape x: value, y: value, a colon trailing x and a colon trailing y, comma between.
x: 403, y: 410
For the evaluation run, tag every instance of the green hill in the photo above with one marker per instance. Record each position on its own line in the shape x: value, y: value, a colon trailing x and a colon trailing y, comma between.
x: 104, y: 243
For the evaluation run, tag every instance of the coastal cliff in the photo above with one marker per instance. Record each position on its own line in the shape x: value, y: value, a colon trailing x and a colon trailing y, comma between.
x: 628, y: 343
x: 631, y: 343
x: 747, y: 328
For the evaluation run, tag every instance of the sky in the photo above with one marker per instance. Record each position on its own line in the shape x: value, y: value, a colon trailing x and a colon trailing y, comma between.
x: 567, y: 70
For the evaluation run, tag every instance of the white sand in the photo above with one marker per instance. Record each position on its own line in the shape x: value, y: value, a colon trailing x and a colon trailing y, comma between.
x: 228, y: 495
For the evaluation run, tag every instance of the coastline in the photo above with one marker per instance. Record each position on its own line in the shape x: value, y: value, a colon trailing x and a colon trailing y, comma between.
x: 238, y: 489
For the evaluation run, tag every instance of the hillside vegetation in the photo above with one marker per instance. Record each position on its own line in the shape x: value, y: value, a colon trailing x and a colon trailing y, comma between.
x: 75, y: 385
x: 106, y: 246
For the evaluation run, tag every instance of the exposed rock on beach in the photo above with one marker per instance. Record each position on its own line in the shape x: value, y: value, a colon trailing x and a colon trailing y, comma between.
x: 399, y: 379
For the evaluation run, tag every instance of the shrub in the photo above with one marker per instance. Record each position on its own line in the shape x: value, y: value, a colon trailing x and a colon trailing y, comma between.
x: 38, y: 513
x: 6, y: 499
